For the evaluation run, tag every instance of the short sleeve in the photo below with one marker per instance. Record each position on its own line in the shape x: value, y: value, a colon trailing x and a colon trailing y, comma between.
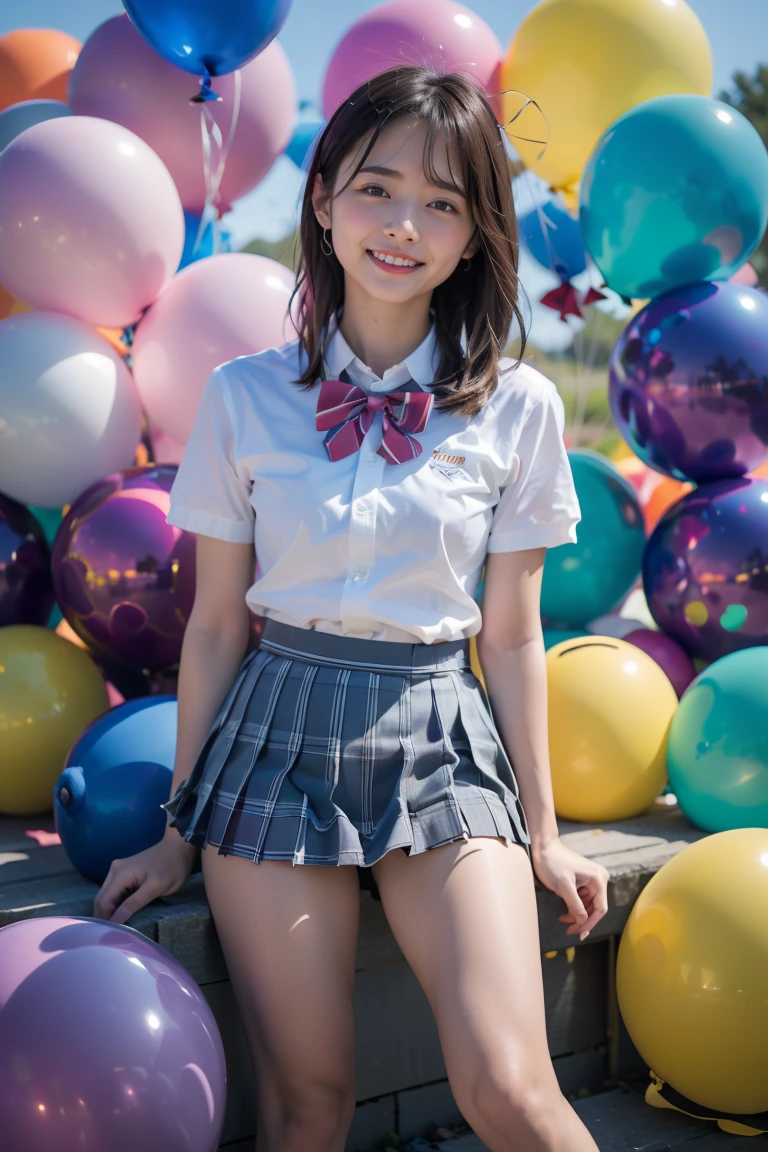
x: 538, y: 507
x: 211, y: 494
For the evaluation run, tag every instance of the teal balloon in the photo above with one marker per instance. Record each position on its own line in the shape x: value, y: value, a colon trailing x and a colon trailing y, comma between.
x: 717, y: 751
x: 554, y: 636
x: 675, y: 191
x: 592, y: 576
x: 49, y: 518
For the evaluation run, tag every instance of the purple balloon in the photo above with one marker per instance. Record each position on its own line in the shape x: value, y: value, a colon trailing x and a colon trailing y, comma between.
x: 689, y: 382
x: 26, y: 590
x: 124, y: 578
x: 668, y: 654
x: 106, y: 1042
x: 705, y: 568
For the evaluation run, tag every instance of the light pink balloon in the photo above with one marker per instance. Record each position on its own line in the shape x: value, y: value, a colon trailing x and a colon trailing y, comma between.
x: 439, y: 34
x: 745, y: 275
x: 118, y: 76
x: 233, y: 304
x: 167, y: 450
x: 90, y: 221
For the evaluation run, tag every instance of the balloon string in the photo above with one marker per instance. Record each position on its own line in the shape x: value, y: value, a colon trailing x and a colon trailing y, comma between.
x: 211, y: 134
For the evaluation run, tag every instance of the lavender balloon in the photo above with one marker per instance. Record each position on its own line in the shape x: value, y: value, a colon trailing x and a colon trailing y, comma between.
x: 124, y: 578
x: 705, y: 568
x: 689, y: 382
x: 26, y: 591
x: 106, y: 1042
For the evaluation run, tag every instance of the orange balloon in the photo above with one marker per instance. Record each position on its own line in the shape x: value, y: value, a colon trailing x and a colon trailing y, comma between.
x: 664, y: 495
x: 35, y: 64
x: 761, y: 472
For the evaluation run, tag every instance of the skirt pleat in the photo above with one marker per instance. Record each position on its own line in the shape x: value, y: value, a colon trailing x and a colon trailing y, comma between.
x: 322, y: 761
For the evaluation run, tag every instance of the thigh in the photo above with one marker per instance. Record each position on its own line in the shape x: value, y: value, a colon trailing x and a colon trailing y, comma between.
x: 465, y: 916
x: 289, y: 937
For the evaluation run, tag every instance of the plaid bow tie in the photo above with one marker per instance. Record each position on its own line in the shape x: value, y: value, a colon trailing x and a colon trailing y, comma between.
x: 345, y: 413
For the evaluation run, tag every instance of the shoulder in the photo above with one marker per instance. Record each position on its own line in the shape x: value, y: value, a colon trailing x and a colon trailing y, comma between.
x: 250, y: 375
x: 521, y: 391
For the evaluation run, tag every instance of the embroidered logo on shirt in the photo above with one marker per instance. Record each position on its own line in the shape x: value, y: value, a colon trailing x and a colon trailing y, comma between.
x: 446, y: 458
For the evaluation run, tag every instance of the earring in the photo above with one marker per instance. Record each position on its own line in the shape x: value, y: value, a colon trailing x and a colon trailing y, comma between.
x: 468, y: 264
x: 325, y: 241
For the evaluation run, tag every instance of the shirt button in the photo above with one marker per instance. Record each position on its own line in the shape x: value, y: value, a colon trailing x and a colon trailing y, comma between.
x: 358, y: 574
x: 362, y: 506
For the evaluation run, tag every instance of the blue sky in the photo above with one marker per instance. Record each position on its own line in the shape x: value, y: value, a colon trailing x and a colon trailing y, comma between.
x: 737, y: 30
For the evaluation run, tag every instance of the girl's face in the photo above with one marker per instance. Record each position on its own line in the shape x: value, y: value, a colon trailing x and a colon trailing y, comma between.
x: 398, y: 213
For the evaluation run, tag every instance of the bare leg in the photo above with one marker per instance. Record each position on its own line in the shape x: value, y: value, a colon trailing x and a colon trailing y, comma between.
x: 464, y: 915
x: 289, y: 937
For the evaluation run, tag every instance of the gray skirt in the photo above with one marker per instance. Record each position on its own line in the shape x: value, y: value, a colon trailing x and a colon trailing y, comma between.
x: 335, y: 750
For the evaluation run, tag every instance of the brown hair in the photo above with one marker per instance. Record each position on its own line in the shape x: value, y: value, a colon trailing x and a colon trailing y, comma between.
x: 484, y: 297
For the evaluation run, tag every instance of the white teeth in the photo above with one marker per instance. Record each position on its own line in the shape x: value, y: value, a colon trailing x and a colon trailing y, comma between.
x: 395, y: 260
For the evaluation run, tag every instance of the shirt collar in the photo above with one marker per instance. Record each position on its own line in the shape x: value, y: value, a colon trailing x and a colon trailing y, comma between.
x: 420, y: 366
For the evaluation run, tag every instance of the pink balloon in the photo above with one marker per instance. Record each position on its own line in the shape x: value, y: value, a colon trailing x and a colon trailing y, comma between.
x: 668, y: 654
x: 167, y: 450
x: 439, y: 34
x: 90, y: 221
x: 233, y: 304
x: 745, y: 275
x: 118, y: 76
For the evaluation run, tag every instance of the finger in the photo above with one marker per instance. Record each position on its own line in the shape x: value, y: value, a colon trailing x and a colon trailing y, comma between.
x: 114, y: 888
x: 573, y: 900
x: 135, y: 902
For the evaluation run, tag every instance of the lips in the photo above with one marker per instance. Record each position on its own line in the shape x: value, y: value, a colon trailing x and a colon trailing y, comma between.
x: 418, y: 263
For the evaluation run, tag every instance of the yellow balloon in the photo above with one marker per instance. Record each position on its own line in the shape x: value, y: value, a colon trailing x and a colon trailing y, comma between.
x: 610, y: 708
x: 692, y: 972
x: 50, y: 690
x: 474, y: 661
x: 587, y: 62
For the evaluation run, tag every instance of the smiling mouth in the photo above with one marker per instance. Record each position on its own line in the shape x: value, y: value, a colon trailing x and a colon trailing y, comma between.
x: 409, y: 267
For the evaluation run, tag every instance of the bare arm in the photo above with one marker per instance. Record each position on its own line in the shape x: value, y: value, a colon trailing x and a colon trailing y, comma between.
x: 215, y: 643
x: 510, y: 648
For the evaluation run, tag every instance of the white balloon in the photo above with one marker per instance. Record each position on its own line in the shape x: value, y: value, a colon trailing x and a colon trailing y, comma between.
x: 69, y: 409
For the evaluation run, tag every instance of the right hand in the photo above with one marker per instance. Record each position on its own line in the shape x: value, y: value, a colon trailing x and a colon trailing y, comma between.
x: 131, y: 883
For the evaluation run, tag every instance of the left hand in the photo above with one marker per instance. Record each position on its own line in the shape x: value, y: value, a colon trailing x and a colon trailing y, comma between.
x: 582, y: 883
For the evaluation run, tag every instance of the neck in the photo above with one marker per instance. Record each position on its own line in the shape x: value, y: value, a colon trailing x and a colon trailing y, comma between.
x: 382, y: 335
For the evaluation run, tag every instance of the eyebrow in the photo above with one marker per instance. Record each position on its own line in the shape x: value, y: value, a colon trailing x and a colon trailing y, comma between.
x: 380, y: 170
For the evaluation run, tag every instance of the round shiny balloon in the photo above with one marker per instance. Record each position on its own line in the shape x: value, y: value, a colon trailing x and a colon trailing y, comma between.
x: 35, y: 64
x: 118, y: 772
x: 49, y: 691
x: 90, y: 220
x: 673, y: 193
x: 438, y: 34
x: 26, y: 590
x: 71, y: 411
x: 117, y: 1045
x: 554, y: 239
x: 670, y: 656
x: 586, y: 62
x: 19, y: 117
x: 718, y: 744
x: 587, y: 579
x: 688, y: 379
x: 705, y: 568
x: 232, y: 304
x: 123, y: 577
x: 692, y: 972
x: 119, y: 77
x: 610, y: 707
x: 208, y: 36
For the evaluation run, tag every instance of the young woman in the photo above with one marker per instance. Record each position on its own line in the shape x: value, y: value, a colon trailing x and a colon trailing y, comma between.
x: 378, y: 462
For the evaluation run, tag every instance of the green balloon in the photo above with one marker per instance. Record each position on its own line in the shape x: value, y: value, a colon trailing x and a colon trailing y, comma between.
x: 591, y: 577
x: 717, y: 752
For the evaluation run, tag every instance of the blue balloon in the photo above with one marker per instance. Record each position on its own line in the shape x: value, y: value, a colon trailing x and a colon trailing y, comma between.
x: 675, y: 191
x: 555, y: 239
x: 302, y: 140
x: 305, y: 163
x: 554, y: 636
x: 208, y: 37
x: 592, y: 577
x: 205, y: 248
x: 718, y: 744
x: 106, y: 802
x: 27, y: 113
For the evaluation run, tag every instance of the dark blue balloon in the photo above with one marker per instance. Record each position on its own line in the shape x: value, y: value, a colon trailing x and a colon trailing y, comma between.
x: 106, y: 802
x: 554, y: 238
x: 208, y: 36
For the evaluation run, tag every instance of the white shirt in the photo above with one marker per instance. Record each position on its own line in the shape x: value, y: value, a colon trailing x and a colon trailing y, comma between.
x: 361, y: 547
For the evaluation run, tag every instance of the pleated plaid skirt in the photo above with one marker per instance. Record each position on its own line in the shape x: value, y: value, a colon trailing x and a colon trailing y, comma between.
x: 336, y: 750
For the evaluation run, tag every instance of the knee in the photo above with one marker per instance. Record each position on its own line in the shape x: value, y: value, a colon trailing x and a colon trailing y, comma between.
x: 316, y: 1116
x: 518, y: 1099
